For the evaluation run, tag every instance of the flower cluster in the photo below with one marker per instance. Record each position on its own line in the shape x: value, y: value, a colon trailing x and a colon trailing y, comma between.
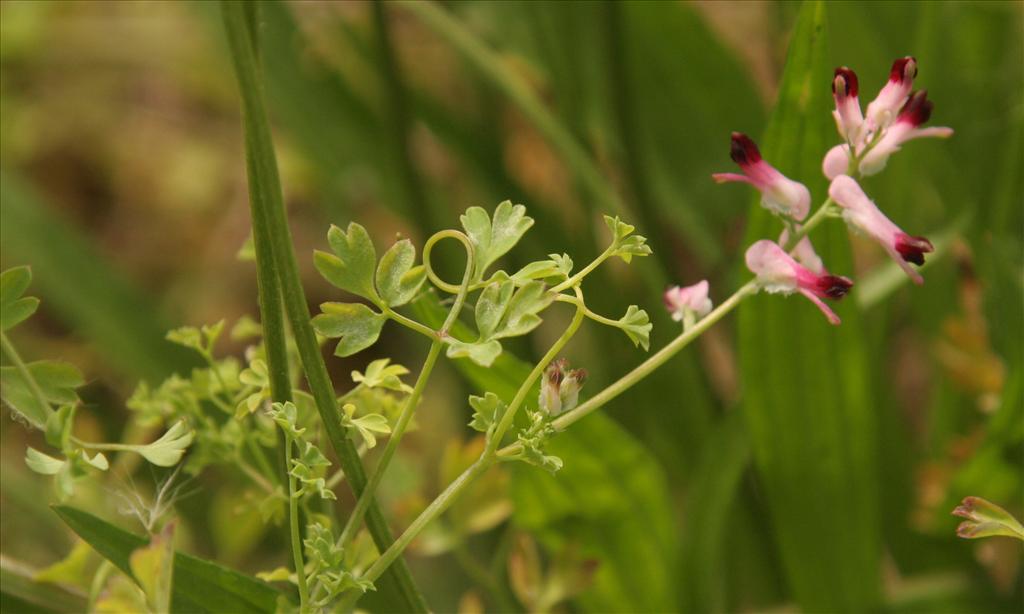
x: 791, y: 265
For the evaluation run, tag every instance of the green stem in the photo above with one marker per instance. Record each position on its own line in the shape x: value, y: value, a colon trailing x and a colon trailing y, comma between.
x: 487, y: 458
x: 271, y: 223
x: 578, y: 277
x: 356, y: 517
x: 296, y: 539
x: 409, y: 323
x: 823, y: 212
x: 22, y: 368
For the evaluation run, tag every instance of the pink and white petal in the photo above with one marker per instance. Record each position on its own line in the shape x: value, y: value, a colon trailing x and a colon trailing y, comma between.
x: 833, y: 319
x: 836, y: 161
x: 731, y: 177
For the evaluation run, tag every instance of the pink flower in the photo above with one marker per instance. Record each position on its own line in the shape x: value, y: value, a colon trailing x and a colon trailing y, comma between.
x: 779, y: 194
x: 804, y: 252
x: 862, y: 214
x: 882, y: 110
x: 691, y: 298
x: 916, y: 111
x: 560, y: 387
x: 847, y: 113
x: 778, y: 272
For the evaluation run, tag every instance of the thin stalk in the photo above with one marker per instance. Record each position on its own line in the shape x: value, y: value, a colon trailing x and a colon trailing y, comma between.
x: 409, y: 323
x: 22, y: 368
x: 356, y: 517
x: 578, y: 277
x: 271, y: 222
x: 293, y: 527
x: 486, y: 459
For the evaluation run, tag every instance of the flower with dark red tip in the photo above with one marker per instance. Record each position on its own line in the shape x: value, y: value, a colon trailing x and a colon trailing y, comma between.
x: 779, y: 194
x: 916, y: 111
x: 847, y: 112
x: 883, y: 109
x: 778, y: 272
x: 862, y: 214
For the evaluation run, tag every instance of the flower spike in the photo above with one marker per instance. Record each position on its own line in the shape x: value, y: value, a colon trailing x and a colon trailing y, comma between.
x: 882, y: 110
x: 847, y: 112
x: 778, y: 273
x: 779, y: 194
x: 693, y: 299
x: 862, y: 214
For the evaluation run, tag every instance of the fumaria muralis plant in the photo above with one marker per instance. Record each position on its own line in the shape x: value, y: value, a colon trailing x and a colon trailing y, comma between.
x: 237, y: 412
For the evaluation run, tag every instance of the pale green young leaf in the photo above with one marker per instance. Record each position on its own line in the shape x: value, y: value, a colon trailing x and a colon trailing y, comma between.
x: 246, y: 328
x: 352, y: 266
x: 623, y: 245
x: 492, y: 238
x: 521, y: 316
x: 356, y: 324
x: 637, y: 326
x: 278, y: 574
x: 168, y: 450
x: 482, y: 354
x: 255, y: 374
x: 56, y: 380
x: 381, y: 374
x: 371, y: 425
x: 14, y: 308
x: 42, y: 463
x: 72, y: 570
x: 59, y: 426
x: 98, y: 461
x: 487, y: 410
x: 397, y: 280
x: 188, y: 336
x: 286, y: 416
x: 557, y: 265
x: 491, y: 306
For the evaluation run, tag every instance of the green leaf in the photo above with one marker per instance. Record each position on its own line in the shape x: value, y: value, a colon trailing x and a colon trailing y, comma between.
x: 492, y: 238
x: 381, y: 374
x: 168, y: 450
x: 13, y: 308
x: 482, y: 354
x: 397, y: 280
x: 807, y: 396
x: 491, y: 306
x: 637, y: 326
x: 521, y: 316
x: 21, y: 592
x: 356, y: 324
x: 199, y: 586
x: 352, y: 266
x: 368, y: 426
x: 42, y: 463
x: 487, y: 410
x: 56, y: 380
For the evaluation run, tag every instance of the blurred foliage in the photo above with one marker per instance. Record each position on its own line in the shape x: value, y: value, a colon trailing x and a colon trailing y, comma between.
x: 777, y: 464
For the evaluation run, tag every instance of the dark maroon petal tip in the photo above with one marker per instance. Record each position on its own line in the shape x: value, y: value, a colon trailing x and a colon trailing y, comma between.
x: 744, y: 151
x: 834, y: 286
x: 903, y: 69
x: 913, y: 249
x: 917, y: 110
x: 847, y: 80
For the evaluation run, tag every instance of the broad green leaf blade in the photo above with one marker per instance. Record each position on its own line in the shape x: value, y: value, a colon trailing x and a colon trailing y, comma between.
x: 806, y: 399
x: 199, y: 586
x: 79, y: 287
x: 610, y: 496
x: 494, y: 236
x: 13, y: 307
x: 356, y: 261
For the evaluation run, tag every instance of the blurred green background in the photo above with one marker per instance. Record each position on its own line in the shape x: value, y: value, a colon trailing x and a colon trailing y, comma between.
x: 778, y: 464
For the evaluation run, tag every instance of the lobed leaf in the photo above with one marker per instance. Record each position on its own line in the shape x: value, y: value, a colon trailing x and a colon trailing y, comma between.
x: 637, y: 326
x: 493, y: 238
x: 356, y: 324
x: 482, y: 353
x: 353, y: 263
x: 380, y: 374
x: 487, y: 410
x: 398, y: 280
x: 14, y: 308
